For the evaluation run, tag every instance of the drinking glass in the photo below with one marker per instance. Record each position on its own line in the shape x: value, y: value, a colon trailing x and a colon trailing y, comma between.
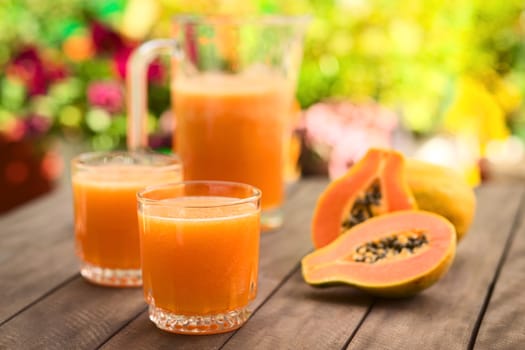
x: 200, y: 253
x: 105, y: 205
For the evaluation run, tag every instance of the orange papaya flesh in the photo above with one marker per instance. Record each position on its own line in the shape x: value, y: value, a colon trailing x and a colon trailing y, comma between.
x: 407, y: 266
x: 373, y: 186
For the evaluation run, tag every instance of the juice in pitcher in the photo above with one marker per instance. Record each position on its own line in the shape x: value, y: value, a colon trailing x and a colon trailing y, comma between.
x: 232, y: 89
x: 232, y: 128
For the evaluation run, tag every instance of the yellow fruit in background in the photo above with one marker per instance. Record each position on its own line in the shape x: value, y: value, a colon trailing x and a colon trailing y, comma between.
x: 442, y: 191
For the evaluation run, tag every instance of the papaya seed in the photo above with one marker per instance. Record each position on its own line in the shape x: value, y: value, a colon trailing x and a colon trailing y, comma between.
x: 403, y: 244
x: 363, y: 207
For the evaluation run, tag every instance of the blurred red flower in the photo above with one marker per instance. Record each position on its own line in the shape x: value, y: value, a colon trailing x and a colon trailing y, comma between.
x: 104, y: 38
x: 106, y: 94
x: 28, y: 66
x: 56, y: 71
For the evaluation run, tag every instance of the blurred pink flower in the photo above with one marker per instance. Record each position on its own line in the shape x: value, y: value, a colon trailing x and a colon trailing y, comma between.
x: 167, y: 121
x: 120, y: 61
x: 341, y: 132
x: 106, y: 94
x: 36, y: 125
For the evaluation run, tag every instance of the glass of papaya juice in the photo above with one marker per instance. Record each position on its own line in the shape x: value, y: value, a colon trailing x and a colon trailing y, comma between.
x: 200, y: 253
x: 105, y: 185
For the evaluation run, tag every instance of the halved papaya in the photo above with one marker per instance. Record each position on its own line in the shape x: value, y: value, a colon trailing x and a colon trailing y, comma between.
x: 393, y: 255
x: 373, y: 186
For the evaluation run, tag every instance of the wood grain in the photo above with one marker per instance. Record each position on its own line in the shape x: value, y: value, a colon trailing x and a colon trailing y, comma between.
x: 302, y: 317
x: 280, y: 252
x: 44, y: 304
x: 503, y: 326
x: 77, y: 316
x: 36, y: 251
x: 444, y: 316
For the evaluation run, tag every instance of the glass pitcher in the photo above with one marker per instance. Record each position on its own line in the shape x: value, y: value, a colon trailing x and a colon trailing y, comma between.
x: 233, y: 88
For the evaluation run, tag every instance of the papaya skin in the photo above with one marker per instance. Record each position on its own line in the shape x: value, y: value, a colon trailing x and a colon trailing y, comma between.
x: 442, y: 191
x: 392, y: 278
x: 403, y: 289
x: 336, y: 201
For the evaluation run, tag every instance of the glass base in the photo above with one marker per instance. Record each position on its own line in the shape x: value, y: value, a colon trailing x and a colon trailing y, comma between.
x: 111, y: 277
x: 271, y: 219
x: 208, y: 324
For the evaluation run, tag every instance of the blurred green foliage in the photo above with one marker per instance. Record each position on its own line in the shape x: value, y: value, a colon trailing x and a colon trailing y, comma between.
x: 408, y: 55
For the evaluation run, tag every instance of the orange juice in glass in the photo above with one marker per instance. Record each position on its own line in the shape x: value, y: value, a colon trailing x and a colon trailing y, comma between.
x: 200, y: 252
x: 105, y: 185
x: 233, y: 89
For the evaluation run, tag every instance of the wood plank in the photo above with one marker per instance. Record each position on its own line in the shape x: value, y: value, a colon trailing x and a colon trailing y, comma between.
x: 292, y: 315
x: 444, y: 317
x: 320, y: 319
x: 37, y: 211
x: 78, y: 316
x: 299, y: 316
x: 280, y: 252
x: 36, y: 250
x: 503, y: 325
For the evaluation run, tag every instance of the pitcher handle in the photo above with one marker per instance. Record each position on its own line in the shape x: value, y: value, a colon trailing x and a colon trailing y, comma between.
x: 137, y: 69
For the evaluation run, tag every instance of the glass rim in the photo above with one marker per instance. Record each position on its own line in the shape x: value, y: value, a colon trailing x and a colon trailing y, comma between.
x: 82, y: 160
x: 271, y: 19
x: 254, y: 196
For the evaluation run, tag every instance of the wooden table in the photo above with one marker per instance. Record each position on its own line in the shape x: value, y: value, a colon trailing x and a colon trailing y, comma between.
x: 45, y: 304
